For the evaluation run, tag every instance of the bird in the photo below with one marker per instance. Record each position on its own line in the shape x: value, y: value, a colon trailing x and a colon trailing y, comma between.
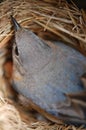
x: 49, y: 76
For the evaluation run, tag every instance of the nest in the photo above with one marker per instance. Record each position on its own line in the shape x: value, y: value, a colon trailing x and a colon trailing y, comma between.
x: 50, y: 20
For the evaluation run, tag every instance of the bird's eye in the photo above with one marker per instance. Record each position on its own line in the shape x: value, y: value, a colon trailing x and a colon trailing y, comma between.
x: 16, y: 51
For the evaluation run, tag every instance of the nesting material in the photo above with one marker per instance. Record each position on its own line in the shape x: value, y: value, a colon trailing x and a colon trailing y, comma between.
x: 10, y: 119
x: 51, y: 20
x: 62, y: 20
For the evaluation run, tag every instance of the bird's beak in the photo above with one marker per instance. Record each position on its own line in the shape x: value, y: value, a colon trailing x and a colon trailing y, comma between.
x: 15, y: 24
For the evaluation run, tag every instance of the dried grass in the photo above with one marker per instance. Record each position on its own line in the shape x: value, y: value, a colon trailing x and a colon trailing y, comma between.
x: 64, y: 20
x: 51, y: 20
x: 10, y: 119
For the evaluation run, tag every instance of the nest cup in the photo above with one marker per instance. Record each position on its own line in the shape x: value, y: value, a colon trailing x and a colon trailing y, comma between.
x: 50, y: 20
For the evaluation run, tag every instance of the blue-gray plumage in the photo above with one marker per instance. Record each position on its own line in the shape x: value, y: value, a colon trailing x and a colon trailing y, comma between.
x: 49, y: 76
